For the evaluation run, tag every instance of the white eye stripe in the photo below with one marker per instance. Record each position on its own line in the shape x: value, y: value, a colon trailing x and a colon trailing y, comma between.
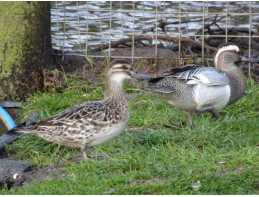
x: 223, y: 49
x: 119, y: 66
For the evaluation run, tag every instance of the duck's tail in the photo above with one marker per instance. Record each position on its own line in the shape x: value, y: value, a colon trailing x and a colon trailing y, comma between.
x: 8, y: 137
x: 17, y: 130
x: 155, y: 85
x: 11, y: 134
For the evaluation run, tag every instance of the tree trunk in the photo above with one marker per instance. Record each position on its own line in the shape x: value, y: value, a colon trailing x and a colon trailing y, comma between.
x: 25, y: 48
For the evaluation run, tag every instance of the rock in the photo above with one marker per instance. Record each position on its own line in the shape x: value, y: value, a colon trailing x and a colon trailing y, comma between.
x: 196, y: 185
x: 7, y: 138
x: 11, y: 171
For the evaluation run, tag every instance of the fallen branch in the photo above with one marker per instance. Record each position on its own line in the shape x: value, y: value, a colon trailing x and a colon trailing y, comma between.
x: 230, y: 30
x: 208, y: 25
x: 253, y: 68
x: 162, y: 24
x: 150, y: 38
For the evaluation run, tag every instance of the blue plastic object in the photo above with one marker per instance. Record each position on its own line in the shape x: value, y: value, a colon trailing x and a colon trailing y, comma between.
x: 7, y: 119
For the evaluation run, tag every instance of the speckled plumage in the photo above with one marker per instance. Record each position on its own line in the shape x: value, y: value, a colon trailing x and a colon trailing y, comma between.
x: 91, y: 123
x: 200, y: 89
x: 81, y: 124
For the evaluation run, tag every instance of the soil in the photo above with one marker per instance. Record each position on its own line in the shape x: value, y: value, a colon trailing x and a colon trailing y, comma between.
x: 2, y: 128
x: 19, y: 172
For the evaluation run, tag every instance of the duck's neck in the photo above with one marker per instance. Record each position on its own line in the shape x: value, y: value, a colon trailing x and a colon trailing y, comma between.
x: 113, y: 89
x: 236, y: 77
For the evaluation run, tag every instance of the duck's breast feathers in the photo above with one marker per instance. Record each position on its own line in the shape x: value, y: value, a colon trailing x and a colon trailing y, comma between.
x: 194, y: 74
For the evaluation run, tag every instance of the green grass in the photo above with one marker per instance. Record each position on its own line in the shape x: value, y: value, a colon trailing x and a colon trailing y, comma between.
x: 157, y: 154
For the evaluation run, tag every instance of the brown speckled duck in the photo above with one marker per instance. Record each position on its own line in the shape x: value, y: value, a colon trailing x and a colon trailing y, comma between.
x: 91, y: 123
x: 200, y: 89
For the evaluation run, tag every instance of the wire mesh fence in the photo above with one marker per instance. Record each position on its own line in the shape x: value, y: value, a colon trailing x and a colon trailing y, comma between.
x: 159, y: 30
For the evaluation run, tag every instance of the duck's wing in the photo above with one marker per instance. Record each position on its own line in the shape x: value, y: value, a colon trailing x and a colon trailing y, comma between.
x: 160, y: 84
x: 193, y: 74
x: 85, y: 112
x: 189, y: 75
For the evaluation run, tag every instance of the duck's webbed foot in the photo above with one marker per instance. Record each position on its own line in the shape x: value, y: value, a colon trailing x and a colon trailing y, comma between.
x: 213, y: 112
x: 191, y: 120
x: 88, y: 155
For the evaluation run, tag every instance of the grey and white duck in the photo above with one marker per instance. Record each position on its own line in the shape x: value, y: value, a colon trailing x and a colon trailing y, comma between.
x: 198, y: 89
x: 92, y: 123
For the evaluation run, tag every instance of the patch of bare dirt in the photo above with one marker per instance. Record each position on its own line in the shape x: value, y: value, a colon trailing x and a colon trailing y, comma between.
x: 16, y: 173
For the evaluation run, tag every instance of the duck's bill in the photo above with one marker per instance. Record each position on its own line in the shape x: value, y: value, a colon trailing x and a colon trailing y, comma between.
x: 140, y: 76
x: 249, y: 59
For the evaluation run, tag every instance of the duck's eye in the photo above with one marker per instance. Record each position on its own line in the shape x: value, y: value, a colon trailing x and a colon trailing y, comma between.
x: 124, y: 67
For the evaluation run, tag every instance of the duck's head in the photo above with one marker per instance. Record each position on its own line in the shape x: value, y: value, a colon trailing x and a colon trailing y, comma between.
x: 119, y: 70
x: 229, y: 54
